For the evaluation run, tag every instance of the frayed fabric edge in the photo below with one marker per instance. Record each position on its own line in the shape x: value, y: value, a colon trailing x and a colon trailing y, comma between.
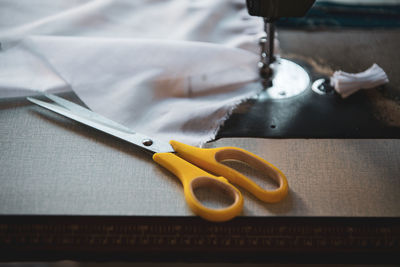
x: 220, y: 123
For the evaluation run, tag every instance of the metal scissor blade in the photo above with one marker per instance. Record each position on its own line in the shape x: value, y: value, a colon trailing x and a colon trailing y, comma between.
x: 86, y: 112
x: 137, y: 139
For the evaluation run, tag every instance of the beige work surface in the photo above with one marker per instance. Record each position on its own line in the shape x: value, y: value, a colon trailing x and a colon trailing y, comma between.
x: 51, y: 165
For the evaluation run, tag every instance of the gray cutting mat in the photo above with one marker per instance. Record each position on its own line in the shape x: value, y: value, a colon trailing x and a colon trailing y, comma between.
x: 51, y: 165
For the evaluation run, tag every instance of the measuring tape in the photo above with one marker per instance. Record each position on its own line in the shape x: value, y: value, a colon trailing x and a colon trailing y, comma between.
x: 258, y: 236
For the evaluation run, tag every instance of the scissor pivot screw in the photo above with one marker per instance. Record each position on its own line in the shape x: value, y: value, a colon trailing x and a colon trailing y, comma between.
x: 147, y: 142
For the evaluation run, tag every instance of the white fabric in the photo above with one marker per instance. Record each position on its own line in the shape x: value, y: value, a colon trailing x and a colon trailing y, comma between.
x: 173, y: 69
x: 347, y: 84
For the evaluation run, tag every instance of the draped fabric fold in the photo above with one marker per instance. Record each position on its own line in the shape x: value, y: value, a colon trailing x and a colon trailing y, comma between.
x: 174, y: 69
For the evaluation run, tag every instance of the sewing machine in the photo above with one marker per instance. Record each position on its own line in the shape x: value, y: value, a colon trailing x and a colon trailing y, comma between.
x: 272, y: 10
x: 274, y: 73
x: 288, y: 106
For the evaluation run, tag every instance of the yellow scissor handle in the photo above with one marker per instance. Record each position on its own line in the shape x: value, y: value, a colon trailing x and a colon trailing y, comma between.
x: 193, y: 177
x: 209, y: 159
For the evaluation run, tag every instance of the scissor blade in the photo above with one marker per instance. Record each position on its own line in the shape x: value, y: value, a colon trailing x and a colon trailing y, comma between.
x: 137, y: 139
x: 87, y: 113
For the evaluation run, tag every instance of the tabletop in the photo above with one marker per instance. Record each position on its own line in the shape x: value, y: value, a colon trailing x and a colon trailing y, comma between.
x: 53, y: 166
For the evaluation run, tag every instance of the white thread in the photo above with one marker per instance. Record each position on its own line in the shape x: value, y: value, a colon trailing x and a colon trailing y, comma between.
x: 349, y: 83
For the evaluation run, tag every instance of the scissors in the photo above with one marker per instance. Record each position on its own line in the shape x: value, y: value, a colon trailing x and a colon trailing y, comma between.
x: 195, y: 167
